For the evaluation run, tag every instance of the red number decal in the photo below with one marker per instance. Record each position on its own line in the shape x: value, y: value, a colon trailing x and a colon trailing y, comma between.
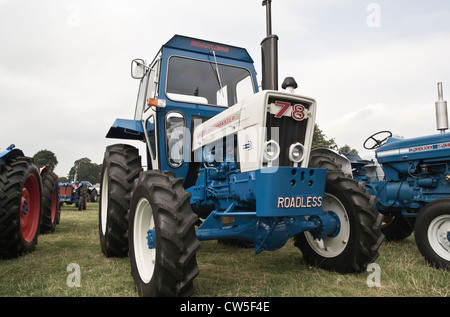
x: 285, y: 107
x: 298, y: 112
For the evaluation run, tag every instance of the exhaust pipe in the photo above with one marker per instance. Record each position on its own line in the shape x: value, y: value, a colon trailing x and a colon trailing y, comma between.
x: 269, y: 52
x: 441, y: 111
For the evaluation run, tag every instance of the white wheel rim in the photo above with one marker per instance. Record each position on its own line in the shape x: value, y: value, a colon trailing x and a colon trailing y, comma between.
x: 144, y: 256
x: 332, y: 246
x: 104, y: 201
x: 437, y: 233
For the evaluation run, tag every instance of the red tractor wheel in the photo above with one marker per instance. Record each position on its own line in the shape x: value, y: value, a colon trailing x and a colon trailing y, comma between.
x: 20, y: 207
x: 30, y: 208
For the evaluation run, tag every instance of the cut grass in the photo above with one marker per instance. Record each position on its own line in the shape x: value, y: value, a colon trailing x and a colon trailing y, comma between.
x: 224, y: 271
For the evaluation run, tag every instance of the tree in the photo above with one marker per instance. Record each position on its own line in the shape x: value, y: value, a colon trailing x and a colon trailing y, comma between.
x: 84, y: 170
x: 320, y: 140
x: 63, y: 179
x: 44, y: 157
x: 347, y: 149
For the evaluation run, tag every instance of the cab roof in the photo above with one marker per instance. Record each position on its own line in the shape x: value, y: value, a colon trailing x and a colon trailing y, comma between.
x: 201, y: 46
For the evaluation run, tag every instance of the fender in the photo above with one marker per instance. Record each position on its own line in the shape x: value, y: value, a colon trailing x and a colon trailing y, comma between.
x: 340, y: 159
x: 126, y: 129
x: 9, y: 153
x: 44, y: 169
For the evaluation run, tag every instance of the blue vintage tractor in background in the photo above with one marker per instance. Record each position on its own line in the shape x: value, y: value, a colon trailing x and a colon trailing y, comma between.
x: 412, y: 186
x: 78, y: 193
x: 225, y: 161
x: 28, y: 202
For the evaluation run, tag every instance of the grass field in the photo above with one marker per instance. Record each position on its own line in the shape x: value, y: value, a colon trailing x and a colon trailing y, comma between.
x: 224, y: 271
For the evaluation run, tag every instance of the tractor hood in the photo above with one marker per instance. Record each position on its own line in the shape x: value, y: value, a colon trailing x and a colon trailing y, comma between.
x: 249, y: 119
x: 427, y: 147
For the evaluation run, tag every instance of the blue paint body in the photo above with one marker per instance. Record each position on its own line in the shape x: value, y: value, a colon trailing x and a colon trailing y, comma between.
x: 9, y: 152
x: 415, y: 172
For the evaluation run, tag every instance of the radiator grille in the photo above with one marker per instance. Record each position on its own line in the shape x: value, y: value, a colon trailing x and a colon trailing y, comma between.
x: 286, y: 131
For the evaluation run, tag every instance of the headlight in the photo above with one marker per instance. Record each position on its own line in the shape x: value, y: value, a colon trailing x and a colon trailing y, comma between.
x: 271, y: 151
x: 296, y: 152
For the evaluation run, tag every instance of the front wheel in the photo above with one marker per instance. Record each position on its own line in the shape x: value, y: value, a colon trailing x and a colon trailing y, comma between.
x: 432, y: 233
x: 161, y: 235
x: 357, y: 242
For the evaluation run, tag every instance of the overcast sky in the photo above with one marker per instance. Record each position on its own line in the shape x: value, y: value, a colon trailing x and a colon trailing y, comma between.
x: 65, y: 64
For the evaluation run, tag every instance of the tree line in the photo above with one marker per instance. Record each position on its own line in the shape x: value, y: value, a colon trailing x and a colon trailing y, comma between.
x: 82, y: 170
x: 321, y: 140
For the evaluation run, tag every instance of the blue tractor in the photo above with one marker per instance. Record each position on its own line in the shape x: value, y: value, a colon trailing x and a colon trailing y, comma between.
x: 78, y: 193
x: 28, y: 202
x: 225, y: 162
x: 413, y: 186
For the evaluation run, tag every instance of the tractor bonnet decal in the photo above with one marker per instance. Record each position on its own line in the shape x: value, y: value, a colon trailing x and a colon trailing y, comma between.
x: 220, y: 124
x: 415, y: 149
x: 429, y: 147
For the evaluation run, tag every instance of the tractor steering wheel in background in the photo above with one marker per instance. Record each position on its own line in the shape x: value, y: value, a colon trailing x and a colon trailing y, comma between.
x: 378, y: 142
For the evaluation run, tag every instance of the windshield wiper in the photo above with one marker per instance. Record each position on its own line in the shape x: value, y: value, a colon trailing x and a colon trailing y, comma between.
x: 218, y: 74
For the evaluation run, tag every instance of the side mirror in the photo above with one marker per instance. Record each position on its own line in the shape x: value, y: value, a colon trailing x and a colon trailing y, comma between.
x: 138, y: 68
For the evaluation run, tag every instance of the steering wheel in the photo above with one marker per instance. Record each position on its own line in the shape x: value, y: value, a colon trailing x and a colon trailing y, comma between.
x: 378, y: 142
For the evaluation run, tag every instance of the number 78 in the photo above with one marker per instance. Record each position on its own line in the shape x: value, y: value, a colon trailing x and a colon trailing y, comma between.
x: 297, y: 112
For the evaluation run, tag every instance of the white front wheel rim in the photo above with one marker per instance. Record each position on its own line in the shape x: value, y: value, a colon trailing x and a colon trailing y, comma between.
x: 144, y: 256
x: 438, y: 233
x: 332, y: 246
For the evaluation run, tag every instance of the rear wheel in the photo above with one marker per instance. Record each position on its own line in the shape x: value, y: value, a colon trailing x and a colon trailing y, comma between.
x: 50, y: 202
x: 397, y: 228
x: 20, y: 207
x: 162, y: 239
x: 121, y: 165
x: 93, y: 196
x: 432, y: 233
x: 82, y: 199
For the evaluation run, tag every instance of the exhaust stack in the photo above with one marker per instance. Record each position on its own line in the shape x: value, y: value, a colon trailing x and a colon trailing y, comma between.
x: 441, y: 111
x: 269, y: 52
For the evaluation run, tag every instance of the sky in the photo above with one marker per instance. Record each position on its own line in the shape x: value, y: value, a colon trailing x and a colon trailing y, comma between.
x: 65, y: 64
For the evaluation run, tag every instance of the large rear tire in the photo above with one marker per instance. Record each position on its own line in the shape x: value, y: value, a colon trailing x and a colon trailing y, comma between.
x: 359, y: 238
x: 50, y: 202
x: 397, y: 228
x: 20, y: 207
x: 121, y: 166
x: 161, y: 216
x: 82, y: 199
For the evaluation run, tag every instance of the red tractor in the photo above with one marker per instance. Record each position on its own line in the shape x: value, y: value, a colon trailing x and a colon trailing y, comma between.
x: 28, y: 202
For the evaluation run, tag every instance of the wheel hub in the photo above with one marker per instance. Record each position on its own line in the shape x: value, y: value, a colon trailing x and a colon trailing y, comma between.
x: 24, y: 207
x: 151, y: 239
x: 444, y: 237
x: 336, y: 237
x: 328, y: 225
x: 441, y: 227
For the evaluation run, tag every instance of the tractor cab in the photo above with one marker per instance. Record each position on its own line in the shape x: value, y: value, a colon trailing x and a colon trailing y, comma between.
x: 188, y: 82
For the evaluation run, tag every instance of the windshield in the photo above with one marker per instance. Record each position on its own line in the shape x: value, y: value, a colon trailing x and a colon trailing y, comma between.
x: 202, y: 82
